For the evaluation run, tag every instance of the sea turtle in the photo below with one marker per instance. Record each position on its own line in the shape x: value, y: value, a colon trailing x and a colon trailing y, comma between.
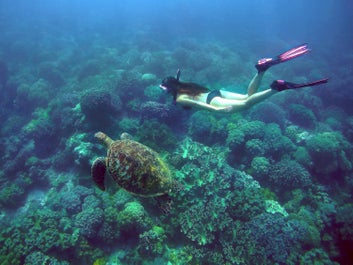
x: 133, y: 166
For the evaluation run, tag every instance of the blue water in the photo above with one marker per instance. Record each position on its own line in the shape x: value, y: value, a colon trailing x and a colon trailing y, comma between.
x: 271, y: 184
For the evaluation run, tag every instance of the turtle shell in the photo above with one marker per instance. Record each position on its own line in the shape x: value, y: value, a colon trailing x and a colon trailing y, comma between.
x: 138, y: 169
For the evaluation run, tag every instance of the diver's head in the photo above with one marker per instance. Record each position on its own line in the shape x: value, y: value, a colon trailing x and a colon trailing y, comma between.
x: 170, y: 84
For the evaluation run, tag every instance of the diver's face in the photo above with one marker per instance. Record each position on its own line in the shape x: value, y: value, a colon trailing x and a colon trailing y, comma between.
x: 169, y: 84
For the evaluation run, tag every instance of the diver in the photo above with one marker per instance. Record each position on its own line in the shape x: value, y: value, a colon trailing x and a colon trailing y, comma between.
x: 194, y: 95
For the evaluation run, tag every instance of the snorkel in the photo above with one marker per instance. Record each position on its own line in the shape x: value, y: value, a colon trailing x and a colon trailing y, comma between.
x: 170, y: 85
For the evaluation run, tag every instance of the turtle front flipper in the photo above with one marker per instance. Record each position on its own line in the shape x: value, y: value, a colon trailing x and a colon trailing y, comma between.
x: 98, y: 170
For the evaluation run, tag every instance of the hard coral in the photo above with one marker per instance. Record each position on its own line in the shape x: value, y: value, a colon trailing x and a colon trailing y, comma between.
x: 270, y: 238
x: 37, y: 257
x: 330, y: 152
x: 80, y: 149
x: 201, y: 125
x: 38, y: 94
x: 260, y: 167
x: 254, y: 147
x: 164, y: 113
x: 302, y: 116
x: 89, y: 222
x: 288, y: 174
x: 316, y: 256
x: 99, y: 105
x: 52, y: 74
x: 133, y: 218
x: 152, y: 242
x: 276, y: 145
x: 156, y: 135
x: 268, y: 112
x: 239, y: 133
x: 246, y: 203
x: 42, y: 130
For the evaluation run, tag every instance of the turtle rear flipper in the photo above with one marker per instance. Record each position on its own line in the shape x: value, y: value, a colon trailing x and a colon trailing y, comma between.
x: 98, y: 170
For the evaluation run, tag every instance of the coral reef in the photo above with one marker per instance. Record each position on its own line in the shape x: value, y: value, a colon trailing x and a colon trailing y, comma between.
x: 270, y: 185
x: 4, y: 73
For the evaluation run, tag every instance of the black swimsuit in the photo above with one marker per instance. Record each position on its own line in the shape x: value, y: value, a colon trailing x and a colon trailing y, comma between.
x: 212, y: 95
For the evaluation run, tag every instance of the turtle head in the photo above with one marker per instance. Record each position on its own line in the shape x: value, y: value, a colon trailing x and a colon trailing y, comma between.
x: 98, y: 170
x: 103, y: 139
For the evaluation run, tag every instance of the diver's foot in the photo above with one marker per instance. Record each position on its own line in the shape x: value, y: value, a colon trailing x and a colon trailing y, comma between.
x: 265, y: 63
x: 281, y: 85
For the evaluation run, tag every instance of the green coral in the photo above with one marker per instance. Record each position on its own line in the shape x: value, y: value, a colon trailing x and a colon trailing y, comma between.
x: 129, y: 125
x: 316, y: 256
x: 207, y: 129
x: 37, y: 94
x: 133, y: 217
x: 260, y: 166
x: 39, y: 116
x: 274, y: 207
x: 243, y: 131
x: 10, y: 194
x: 301, y: 155
x: 156, y: 135
x: 276, y: 144
x: 36, y: 229
x: 330, y: 152
x: 152, y: 242
x: 246, y: 203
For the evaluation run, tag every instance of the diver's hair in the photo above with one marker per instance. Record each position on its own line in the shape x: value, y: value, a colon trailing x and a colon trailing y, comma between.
x: 191, y: 89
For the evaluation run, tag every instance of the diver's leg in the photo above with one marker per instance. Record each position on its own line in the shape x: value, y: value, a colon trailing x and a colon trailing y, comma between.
x: 252, y: 89
x: 255, y: 83
x: 234, y: 105
x: 258, y: 97
x: 232, y: 95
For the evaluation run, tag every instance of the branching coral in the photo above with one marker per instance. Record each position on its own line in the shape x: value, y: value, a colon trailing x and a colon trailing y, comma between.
x: 260, y: 167
x: 270, y: 236
x: 89, y: 222
x: 152, y: 242
x: 133, y: 218
x: 276, y: 145
x: 246, y: 202
x: 288, y: 174
x: 330, y: 152
x: 201, y: 222
x: 156, y: 135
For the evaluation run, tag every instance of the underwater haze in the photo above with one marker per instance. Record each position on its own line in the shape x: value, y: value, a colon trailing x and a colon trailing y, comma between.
x: 271, y: 184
